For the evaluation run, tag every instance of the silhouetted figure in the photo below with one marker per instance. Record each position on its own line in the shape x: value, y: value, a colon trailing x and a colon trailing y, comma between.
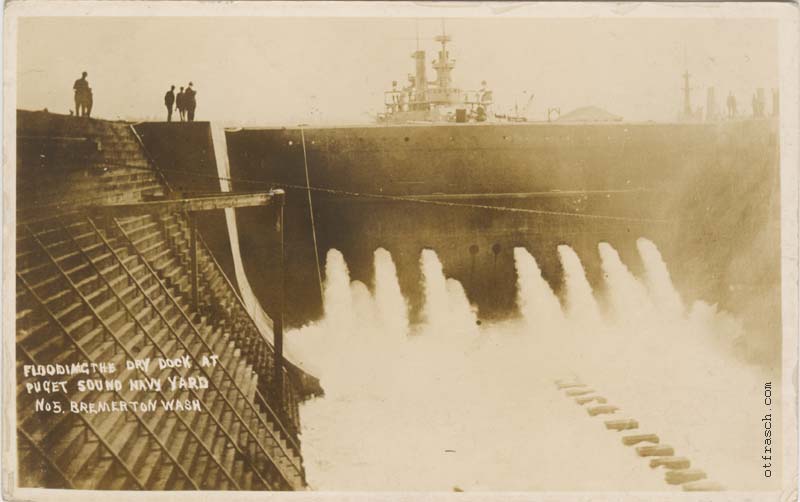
x: 731, y: 104
x: 190, y: 100
x: 83, y: 97
x: 169, y: 100
x: 181, y: 105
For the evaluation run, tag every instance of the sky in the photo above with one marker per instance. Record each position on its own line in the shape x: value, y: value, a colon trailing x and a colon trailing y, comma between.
x: 286, y: 71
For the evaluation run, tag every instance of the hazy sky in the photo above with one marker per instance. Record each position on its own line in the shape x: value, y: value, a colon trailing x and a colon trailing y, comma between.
x: 260, y: 70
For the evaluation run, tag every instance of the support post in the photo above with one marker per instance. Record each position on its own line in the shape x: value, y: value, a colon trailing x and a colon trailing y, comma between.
x: 277, y: 321
x: 193, y: 255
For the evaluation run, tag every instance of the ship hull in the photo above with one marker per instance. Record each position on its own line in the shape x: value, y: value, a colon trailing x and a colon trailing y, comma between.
x: 706, y: 194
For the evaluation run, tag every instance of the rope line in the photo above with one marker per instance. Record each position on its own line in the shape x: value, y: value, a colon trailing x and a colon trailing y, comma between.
x: 311, y: 213
x: 421, y: 199
x: 544, y: 212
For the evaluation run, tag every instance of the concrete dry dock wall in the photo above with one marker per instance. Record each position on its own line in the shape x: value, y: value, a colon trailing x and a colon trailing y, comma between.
x: 706, y: 194
x: 115, y: 294
x: 185, y: 155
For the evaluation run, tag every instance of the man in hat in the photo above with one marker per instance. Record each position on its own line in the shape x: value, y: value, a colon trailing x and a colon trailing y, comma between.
x: 169, y: 100
x: 190, y: 101
x: 180, y: 105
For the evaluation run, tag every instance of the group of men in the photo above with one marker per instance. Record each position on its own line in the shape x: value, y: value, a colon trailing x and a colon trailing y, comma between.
x: 758, y: 103
x: 185, y: 102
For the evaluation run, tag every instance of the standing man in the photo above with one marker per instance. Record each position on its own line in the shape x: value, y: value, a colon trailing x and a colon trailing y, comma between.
x: 169, y: 100
x: 181, y: 105
x: 190, y: 101
x: 82, y: 96
x: 731, y: 104
x: 89, y: 102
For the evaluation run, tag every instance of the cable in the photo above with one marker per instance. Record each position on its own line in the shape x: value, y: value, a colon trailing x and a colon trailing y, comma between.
x: 421, y: 199
x: 311, y: 213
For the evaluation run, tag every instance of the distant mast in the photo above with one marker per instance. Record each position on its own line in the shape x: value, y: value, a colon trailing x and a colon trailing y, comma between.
x: 688, y: 115
x: 687, y: 98
x: 443, y: 65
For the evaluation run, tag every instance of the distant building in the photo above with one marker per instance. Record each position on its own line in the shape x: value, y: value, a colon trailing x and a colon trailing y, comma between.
x: 589, y: 114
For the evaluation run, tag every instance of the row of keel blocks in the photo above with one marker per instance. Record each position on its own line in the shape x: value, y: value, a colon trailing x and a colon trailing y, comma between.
x: 678, y: 469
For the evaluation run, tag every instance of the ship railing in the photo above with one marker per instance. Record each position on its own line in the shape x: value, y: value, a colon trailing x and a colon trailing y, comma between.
x: 478, y: 98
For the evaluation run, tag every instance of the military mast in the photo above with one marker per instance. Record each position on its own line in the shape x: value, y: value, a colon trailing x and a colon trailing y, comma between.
x: 687, y: 103
x: 443, y: 65
x: 687, y: 90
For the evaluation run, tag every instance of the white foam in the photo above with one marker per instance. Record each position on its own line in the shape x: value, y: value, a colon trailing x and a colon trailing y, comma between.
x: 458, y: 405
x: 536, y: 301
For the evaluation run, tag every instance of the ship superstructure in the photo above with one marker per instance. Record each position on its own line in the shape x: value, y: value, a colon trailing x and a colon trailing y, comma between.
x: 438, y: 100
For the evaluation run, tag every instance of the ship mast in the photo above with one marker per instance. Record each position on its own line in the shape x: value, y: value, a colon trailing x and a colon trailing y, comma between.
x: 687, y: 99
x: 687, y: 104
x: 443, y: 65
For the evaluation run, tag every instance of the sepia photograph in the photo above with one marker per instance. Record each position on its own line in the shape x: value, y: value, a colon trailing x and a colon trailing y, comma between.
x: 400, y: 248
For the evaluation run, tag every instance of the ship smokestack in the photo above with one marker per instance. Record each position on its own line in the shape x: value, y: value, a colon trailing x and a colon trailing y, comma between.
x: 420, y: 81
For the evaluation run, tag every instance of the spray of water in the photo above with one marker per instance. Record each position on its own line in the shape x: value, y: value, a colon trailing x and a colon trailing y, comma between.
x: 337, y: 299
x: 391, y: 304
x: 664, y: 295
x: 447, y: 312
x: 537, y: 303
x: 440, y: 404
x: 578, y: 297
x: 629, y: 299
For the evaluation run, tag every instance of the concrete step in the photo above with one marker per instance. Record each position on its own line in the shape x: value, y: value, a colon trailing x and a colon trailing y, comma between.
x: 658, y: 450
x: 602, y: 409
x: 579, y: 392
x: 677, y: 477
x: 588, y: 399
x: 671, y: 462
x: 639, y: 438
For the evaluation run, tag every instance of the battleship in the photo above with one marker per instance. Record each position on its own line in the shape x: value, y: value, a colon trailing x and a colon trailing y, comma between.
x: 440, y: 169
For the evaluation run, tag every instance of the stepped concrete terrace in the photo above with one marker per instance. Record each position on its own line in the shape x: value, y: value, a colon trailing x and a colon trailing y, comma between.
x: 95, y: 287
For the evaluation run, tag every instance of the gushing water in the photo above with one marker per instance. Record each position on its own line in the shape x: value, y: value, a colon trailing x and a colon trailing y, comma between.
x: 391, y: 304
x: 446, y: 403
x: 659, y: 284
x: 537, y: 303
x: 579, y: 299
x: 337, y: 299
x: 629, y: 299
x: 447, y: 311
